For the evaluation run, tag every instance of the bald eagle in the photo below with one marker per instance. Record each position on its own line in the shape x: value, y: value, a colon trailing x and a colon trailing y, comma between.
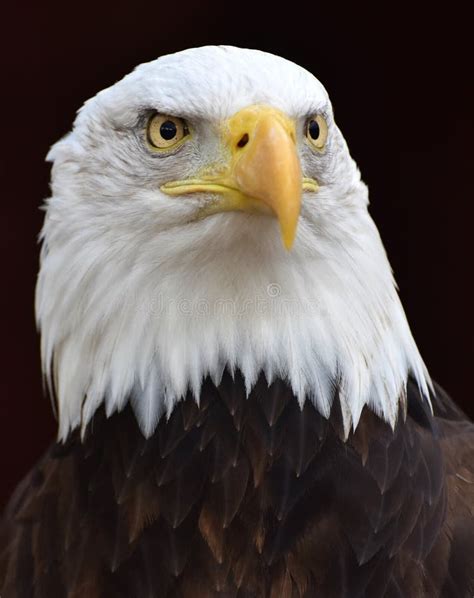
x: 242, y: 409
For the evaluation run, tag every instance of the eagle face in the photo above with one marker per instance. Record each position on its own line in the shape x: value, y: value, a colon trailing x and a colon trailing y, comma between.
x: 206, y: 214
x: 244, y: 132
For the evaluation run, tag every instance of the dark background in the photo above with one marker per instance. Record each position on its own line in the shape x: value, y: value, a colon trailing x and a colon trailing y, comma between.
x: 402, y: 86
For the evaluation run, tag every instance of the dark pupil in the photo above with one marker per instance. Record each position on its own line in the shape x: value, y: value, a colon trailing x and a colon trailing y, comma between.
x: 168, y: 130
x: 313, y: 129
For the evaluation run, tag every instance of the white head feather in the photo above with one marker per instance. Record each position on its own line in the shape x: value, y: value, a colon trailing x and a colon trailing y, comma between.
x: 137, y: 300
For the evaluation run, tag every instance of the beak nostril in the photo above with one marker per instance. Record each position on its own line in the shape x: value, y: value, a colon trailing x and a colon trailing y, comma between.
x: 243, y: 140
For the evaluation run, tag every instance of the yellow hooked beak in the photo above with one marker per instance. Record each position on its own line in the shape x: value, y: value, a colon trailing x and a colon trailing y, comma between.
x: 264, y: 173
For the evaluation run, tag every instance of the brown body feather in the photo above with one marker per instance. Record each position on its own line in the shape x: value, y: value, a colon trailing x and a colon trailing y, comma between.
x: 249, y: 497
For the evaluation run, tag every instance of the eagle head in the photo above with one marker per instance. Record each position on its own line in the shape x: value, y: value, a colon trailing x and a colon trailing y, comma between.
x: 206, y: 214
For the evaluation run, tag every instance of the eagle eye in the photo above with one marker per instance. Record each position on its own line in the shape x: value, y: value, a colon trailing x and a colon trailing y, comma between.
x: 166, y: 132
x: 317, y: 131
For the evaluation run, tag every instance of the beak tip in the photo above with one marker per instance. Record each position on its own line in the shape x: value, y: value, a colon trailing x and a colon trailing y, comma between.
x: 288, y: 238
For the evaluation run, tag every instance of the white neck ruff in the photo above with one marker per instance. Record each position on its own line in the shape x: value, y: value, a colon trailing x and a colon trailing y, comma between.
x: 192, y: 300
